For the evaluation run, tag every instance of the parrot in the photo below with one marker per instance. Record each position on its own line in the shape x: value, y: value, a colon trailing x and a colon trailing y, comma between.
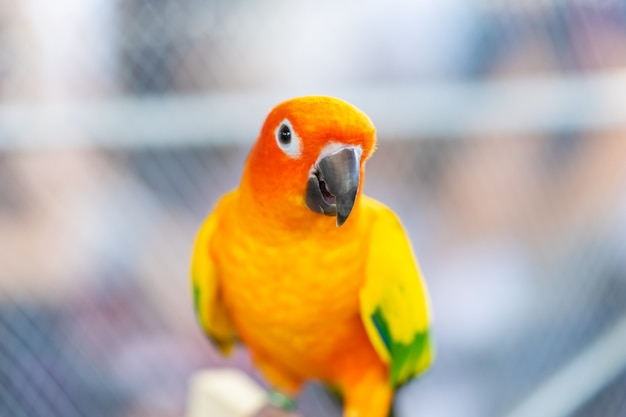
x: 316, y: 279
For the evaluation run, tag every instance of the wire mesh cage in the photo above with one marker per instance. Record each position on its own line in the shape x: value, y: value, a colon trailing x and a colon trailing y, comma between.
x: 502, y: 147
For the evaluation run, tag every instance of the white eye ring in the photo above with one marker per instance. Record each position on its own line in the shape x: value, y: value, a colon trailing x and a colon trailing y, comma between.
x: 287, y: 139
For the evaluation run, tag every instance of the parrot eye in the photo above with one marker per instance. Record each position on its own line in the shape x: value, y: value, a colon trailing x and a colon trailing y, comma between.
x: 284, y: 135
x: 287, y: 140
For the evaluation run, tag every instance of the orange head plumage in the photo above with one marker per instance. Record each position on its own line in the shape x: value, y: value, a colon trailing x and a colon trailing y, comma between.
x: 309, y: 158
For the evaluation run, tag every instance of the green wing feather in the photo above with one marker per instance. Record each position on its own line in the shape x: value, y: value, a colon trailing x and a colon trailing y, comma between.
x: 208, y: 303
x: 394, y: 300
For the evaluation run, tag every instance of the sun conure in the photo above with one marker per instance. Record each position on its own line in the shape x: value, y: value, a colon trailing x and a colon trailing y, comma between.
x: 317, y: 279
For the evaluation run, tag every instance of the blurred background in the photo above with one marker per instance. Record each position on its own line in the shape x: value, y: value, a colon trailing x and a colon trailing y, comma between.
x: 502, y: 146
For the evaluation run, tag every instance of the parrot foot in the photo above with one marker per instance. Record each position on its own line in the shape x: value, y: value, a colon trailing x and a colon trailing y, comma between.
x: 281, y: 401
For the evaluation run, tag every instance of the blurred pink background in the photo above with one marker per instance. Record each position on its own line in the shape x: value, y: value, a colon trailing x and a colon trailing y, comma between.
x: 502, y: 133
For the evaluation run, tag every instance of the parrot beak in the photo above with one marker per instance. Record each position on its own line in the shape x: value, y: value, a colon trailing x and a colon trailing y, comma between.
x: 334, y: 182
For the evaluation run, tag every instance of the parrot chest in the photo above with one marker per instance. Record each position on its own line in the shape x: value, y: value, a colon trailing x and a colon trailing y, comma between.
x: 298, y: 297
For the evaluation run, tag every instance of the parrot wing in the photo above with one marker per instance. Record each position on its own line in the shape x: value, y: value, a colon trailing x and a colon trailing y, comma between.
x: 394, y: 300
x: 209, y: 306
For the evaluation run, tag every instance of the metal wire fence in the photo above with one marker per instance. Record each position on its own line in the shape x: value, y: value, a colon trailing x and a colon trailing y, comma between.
x: 116, y: 139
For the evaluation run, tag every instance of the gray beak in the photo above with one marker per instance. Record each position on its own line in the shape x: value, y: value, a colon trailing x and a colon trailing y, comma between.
x: 334, y: 182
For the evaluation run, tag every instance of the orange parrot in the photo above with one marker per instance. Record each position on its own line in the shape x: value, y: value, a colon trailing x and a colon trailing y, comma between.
x: 318, y: 280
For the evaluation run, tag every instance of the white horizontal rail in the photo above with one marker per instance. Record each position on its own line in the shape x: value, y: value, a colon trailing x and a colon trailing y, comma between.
x: 415, y: 111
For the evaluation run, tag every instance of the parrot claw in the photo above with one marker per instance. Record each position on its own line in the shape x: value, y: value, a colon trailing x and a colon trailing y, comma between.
x: 282, y: 401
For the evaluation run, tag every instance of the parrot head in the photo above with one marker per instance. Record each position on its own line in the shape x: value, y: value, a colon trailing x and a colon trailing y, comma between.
x: 309, y: 158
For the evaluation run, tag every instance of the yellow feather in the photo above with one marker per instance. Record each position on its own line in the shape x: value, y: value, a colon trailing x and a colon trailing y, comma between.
x: 395, y: 293
x: 210, y: 310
